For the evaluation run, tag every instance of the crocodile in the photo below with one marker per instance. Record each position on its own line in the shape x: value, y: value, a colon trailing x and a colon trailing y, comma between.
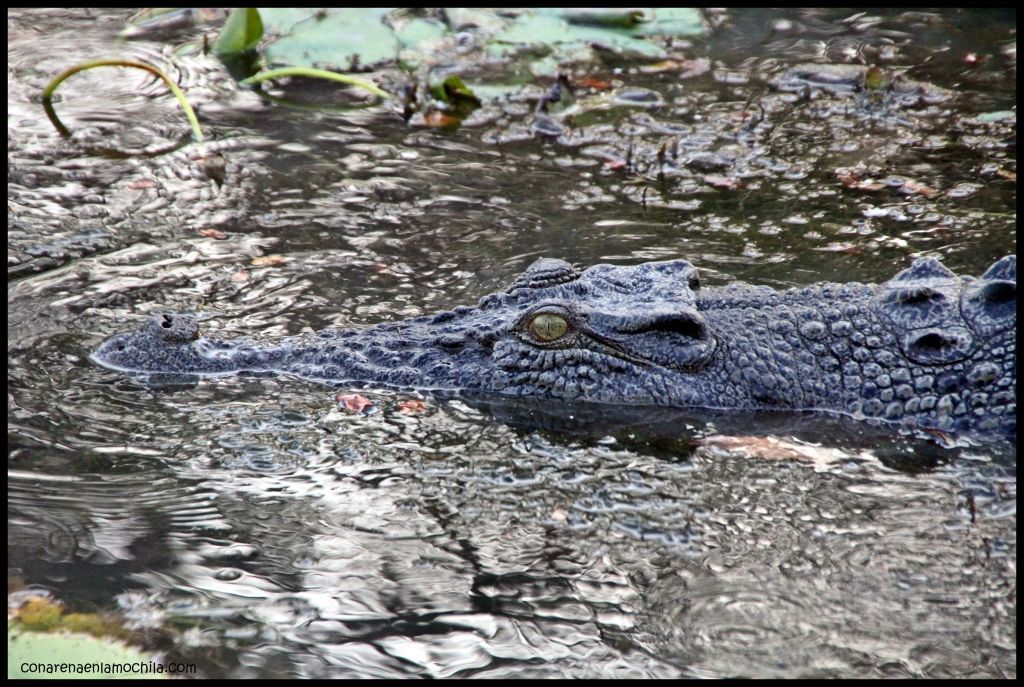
x: 926, y: 349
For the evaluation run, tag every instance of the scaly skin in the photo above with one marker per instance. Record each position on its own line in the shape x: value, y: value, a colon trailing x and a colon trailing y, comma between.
x: 926, y: 349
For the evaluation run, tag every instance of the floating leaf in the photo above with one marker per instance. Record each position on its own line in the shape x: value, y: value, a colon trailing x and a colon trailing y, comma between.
x: 340, y: 39
x: 458, y: 97
x: 39, y: 613
x: 452, y: 89
x: 850, y: 179
x: 592, y: 82
x: 268, y: 260
x: 242, y: 32
x: 672, y: 21
x: 876, y: 79
x: 95, y: 624
x: 494, y: 91
x: 436, y: 119
x: 417, y: 32
x: 28, y: 648
x: 354, y: 402
x: 474, y: 18
x: 662, y: 66
x: 550, y: 33
x: 412, y: 406
x: 917, y: 187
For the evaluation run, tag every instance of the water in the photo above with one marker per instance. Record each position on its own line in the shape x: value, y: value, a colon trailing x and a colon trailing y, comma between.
x: 252, y: 527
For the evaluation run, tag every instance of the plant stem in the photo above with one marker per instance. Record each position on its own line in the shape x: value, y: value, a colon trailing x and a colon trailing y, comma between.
x: 315, y: 74
x: 197, y: 132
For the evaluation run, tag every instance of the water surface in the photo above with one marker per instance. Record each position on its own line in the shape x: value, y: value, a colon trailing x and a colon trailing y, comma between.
x: 253, y: 527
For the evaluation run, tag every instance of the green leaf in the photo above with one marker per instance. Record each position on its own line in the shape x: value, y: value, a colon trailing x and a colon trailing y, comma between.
x: 417, y: 31
x: 30, y: 648
x: 672, y: 21
x: 420, y: 40
x: 460, y: 98
x: 242, y: 32
x: 876, y: 79
x: 335, y: 38
x: 549, y: 33
x: 452, y: 88
x: 477, y: 19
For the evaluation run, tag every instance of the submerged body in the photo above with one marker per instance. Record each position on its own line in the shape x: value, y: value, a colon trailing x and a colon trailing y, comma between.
x: 927, y: 348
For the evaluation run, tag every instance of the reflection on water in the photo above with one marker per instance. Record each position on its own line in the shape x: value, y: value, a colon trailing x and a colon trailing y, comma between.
x: 251, y: 526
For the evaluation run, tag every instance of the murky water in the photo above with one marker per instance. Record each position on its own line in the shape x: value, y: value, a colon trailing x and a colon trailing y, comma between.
x: 254, y: 528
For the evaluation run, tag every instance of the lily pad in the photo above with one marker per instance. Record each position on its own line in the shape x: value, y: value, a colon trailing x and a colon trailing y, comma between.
x: 554, y: 32
x: 672, y: 21
x: 43, y: 651
x: 416, y: 31
x: 330, y: 39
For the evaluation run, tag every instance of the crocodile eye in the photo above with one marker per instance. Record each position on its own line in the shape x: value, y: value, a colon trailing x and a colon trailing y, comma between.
x: 694, y: 281
x: 548, y: 326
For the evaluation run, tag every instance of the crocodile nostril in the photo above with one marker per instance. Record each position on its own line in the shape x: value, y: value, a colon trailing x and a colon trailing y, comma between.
x: 1000, y: 291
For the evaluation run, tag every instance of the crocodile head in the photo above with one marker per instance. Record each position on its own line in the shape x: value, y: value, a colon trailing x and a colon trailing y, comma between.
x: 609, y: 333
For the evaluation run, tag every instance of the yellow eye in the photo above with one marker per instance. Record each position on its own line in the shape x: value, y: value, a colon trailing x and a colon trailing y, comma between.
x: 547, y: 326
